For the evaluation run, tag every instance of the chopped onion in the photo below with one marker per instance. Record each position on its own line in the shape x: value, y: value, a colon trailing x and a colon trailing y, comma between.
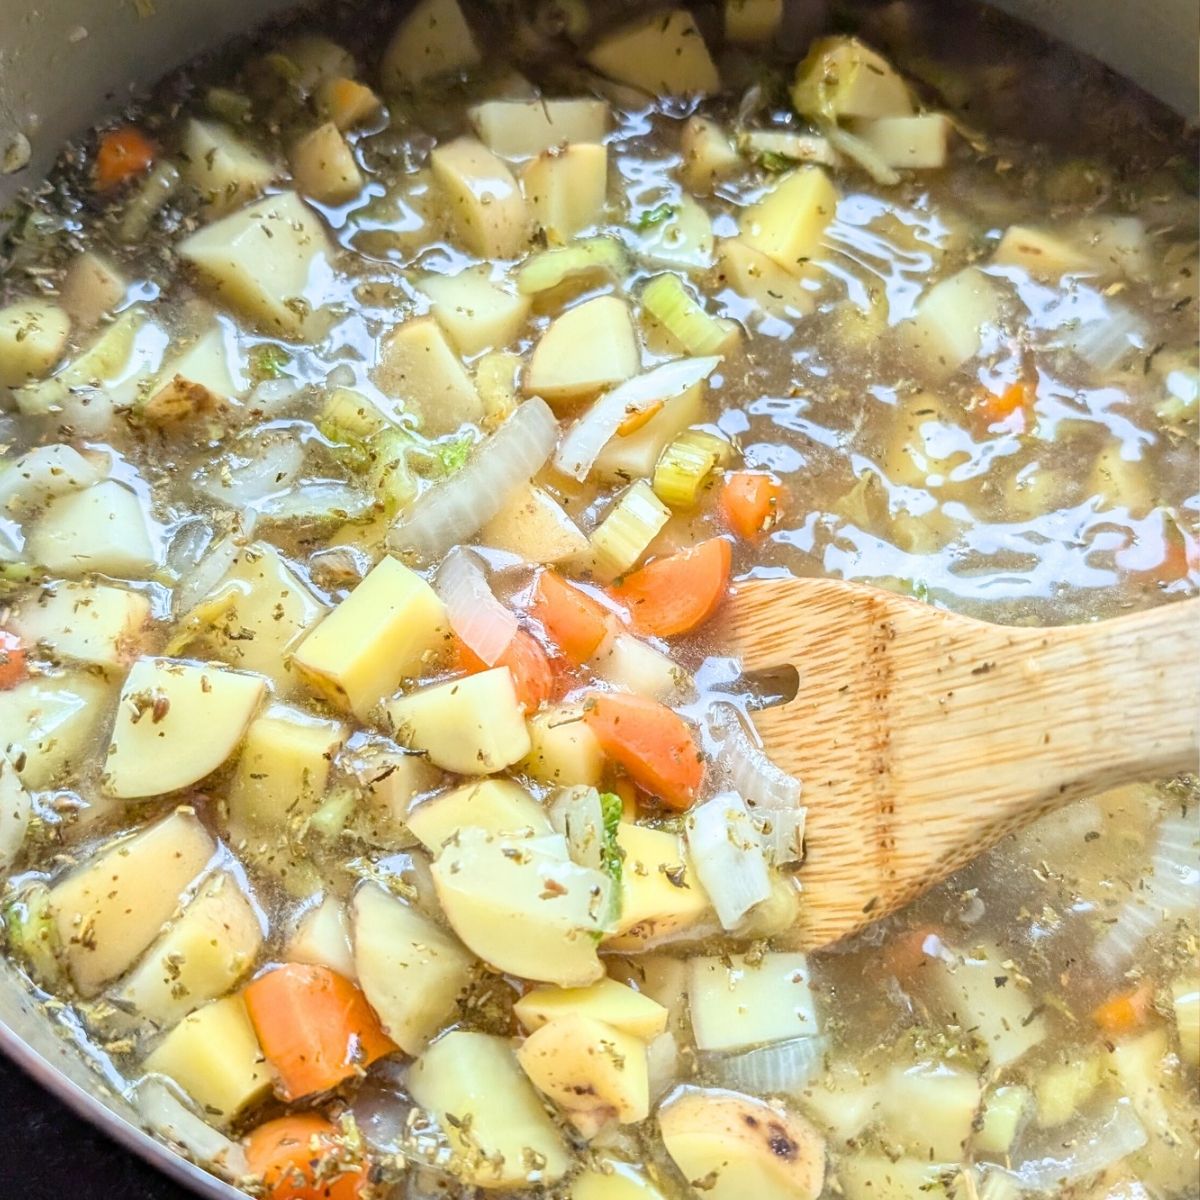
x: 483, y: 623
x: 262, y: 466
x: 596, y: 428
x: 272, y: 397
x: 1105, y: 342
x: 575, y: 812
x: 46, y: 471
x: 1094, y: 1146
x: 781, y: 833
x: 728, y: 857
x: 861, y: 152
x: 782, y: 1069
x: 747, y: 770
x: 452, y: 510
x: 317, y: 500
x: 169, y: 1118
x: 202, y: 580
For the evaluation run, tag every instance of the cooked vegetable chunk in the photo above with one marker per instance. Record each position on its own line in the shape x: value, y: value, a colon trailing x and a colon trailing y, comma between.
x: 565, y: 188
x: 33, y: 335
x: 489, y: 213
x: 418, y: 365
x: 48, y: 724
x: 433, y: 39
x: 525, y: 128
x: 493, y: 805
x: 221, y: 167
x: 736, y: 1003
x: 562, y: 749
x: 658, y: 54
x: 536, y: 527
x: 588, y: 348
x: 102, y: 528
x: 90, y: 623
x: 322, y: 938
x: 608, y: 1001
x: 475, y: 313
x: 15, y: 811
x: 951, y: 322
x: 842, y: 77
x: 324, y: 166
x: 788, y: 222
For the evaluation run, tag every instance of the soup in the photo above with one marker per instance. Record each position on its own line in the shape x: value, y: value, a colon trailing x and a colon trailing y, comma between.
x: 387, y: 408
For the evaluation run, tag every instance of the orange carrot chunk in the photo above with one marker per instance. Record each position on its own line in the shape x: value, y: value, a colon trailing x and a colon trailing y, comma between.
x: 573, y: 621
x: 679, y: 592
x: 315, y: 1027
x: 123, y: 154
x: 303, y: 1157
x: 654, y: 744
x: 14, y: 666
x: 533, y: 673
x: 1124, y: 1012
x: 996, y: 407
x: 751, y: 502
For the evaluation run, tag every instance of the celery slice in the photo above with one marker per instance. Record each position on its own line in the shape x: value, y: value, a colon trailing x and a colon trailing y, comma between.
x: 686, y: 465
x: 670, y: 303
x: 390, y: 472
x: 602, y: 255
x: 32, y: 935
x: 620, y: 540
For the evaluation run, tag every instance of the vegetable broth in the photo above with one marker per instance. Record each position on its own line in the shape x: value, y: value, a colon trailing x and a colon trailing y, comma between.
x: 883, y: 293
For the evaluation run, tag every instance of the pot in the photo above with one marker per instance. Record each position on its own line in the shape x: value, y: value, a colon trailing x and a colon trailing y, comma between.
x: 65, y: 63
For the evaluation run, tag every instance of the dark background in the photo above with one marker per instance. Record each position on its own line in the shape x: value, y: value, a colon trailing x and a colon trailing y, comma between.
x: 49, y: 1153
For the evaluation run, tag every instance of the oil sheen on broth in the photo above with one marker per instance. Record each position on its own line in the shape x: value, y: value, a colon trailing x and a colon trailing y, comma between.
x: 385, y: 407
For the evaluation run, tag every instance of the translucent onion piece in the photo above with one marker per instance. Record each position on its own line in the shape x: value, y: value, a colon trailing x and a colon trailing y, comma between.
x: 317, y: 500
x: 454, y: 509
x: 263, y: 465
x: 576, y: 813
x: 862, y: 153
x: 596, y: 428
x: 203, y: 578
x: 170, y: 1119
x: 782, y: 1069
x: 1104, y: 343
x: 728, y: 857
x: 781, y: 833
x: 483, y: 623
x: 1079, y: 1151
x: 747, y: 770
x: 42, y: 473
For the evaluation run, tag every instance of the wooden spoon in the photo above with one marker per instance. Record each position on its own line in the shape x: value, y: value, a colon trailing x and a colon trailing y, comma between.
x: 922, y: 737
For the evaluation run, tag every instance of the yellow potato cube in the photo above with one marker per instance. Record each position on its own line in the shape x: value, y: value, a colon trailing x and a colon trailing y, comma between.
x: 324, y: 166
x: 418, y: 365
x: 661, y: 54
x: 565, y: 188
x: 221, y: 167
x: 562, y: 749
x: 608, y: 1001
x: 33, y: 335
x: 487, y: 208
x: 433, y: 39
x: 475, y: 313
x: 589, y: 347
x: 495, y: 805
x: 787, y: 224
x: 736, y: 1003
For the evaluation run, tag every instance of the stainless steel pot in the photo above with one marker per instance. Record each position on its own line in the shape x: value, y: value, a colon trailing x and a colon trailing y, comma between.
x: 63, y: 63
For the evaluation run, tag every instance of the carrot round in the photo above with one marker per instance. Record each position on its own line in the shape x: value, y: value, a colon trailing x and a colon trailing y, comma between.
x: 1124, y: 1012
x: 654, y: 744
x: 532, y: 671
x: 123, y: 154
x: 572, y: 619
x: 14, y: 666
x: 996, y: 407
x: 315, y: 1027
x: 751, y: 502
x: 303, y: 1157
x: 679, y: 592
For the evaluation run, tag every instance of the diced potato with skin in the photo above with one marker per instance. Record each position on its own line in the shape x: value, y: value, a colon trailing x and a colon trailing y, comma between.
x: 660, y: 54
x: 1044, y: 255
x: 48, y: 724
x: 615, y: 1004
x: 15, y: 811
x: 758, y: 278
x: 930, y: 1109
x: 841, y: 77
x: 103, y: 528
x: 111, y: 907
x: 736, y: 1003
x: 660, y: 894
x: 475, y: 313
x: 750, y: 21
x: 488, y: 1110
x: 734, y: 1147
x: 259, y: 260
x: 196, y: 381
x: 388, y: 629
x: 948, y: 326
x: 919, y: 143
x: 33, y: 336
x: 281, y: 775
x: 418, y: 365
x: 708, y: 154
x: 523, y: 906
x: 411, y: 971
x: 589, y: 347
x: 346, y: 102
x: 154, y: 747
x: 634, y: 456
x: 324, y: 166
x: 562, y: 748
x: 221, y: 167
x: 595, y: 1073
x: 489, y: 214
x: 91, y: 623
x: 433, y: 39
x: 524, y: 128
x: 612, y: 1179
x: 91, y: 288
x: 536, y: 527
x: 787, y: 224
x: 565, y: 189
x: 493, y: 805
x: 322, y: 938
x: 214, y: 1055
x: 200, y: 957
x: 28, y: 481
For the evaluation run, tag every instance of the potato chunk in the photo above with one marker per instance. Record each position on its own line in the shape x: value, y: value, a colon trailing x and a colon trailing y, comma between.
x: 735, y: 1147
x: 951, y: 321
x: 533, y: 525
x: 565, y: 188
x: 473, y: 1087
x: 787, y: 224
x: 433, y: 39
x: 562, y: 748
x: 524, y: 128
x: 591, y: 346
x: 154, y: 747
x: 910, y: 143
x: 486, y: 205
x: 662, y: 55
x: 33, y: 335
x: 91, y: 288
x: 417, y: 364
x: 322, y: 938
x: 736, y: 1003
x: 608, y: 1001
x: 91, y: 623
x: 475, y: 313
x: 493, y: 805
x: 324, y: 166
x: 260, y: 259
x: 199, y: 380
x: 221, y: 167
x: 842, y: 77
x: 110, y: 908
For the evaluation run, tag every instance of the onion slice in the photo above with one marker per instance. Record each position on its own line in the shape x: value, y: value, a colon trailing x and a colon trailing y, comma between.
x: 747, y: 770
x: 728, y: 857
x: 457, y: 507
x: 596, y: 428
x: 781, y: 1069
x: 171, y: 1119
x: 483, y: 623
x: 1081, y: 1151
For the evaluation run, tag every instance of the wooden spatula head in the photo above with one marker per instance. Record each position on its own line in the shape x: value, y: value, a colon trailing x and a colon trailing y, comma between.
x: 922, y: 737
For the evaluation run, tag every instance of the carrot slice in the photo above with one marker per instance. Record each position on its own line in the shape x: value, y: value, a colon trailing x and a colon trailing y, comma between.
x: 14, y: 666
x: 679, y: 592
x: 303, y: 1157
x: 533, y: 673
x: 1000, y: 407
x: 1124, y: 1012
x: 573, y: 621
x: 751, y: 502
x: 315, y: 1027
x: 123, y: 153
x: 654, y: 744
